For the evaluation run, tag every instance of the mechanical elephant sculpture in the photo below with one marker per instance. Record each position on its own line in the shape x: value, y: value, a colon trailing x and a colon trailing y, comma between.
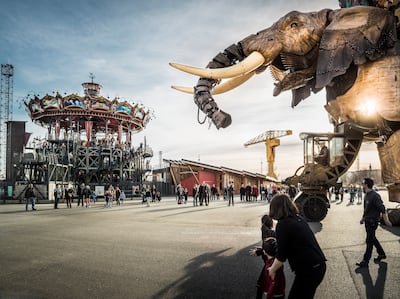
x: 351, y: 52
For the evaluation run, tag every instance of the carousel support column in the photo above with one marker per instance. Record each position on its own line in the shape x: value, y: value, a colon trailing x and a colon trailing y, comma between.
x: 88, y: 130
x: 67, y: 134
x: 128, y: 152
x: 57, y: 130
x: 66, y: 138
x: 134, y: 159
x: 119, y: 151
x: 49, y: 132
x: 106, y: 137
x: 73, y: 139
x: 78, y: 131
x: 130, y: 139
x: 119, y: 136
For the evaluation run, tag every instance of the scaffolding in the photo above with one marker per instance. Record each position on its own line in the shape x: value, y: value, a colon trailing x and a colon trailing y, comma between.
x: 6, y: 110
x: 89, y: 142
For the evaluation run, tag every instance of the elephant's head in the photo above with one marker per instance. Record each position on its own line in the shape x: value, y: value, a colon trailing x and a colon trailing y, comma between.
x: 304, y: 51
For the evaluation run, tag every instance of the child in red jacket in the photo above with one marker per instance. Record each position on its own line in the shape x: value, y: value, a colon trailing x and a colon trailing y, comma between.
x: 267, y: 230
x: 275, y: 288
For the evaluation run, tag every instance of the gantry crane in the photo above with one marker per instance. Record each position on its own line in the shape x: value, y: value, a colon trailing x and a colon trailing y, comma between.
x: 270, y: 138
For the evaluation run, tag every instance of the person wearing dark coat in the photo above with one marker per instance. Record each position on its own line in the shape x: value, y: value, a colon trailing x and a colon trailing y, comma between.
x: 297, y: 244
x: 248, y: 192
x: 373, y: 210
x: 30, y: 197
x: 242, y: 192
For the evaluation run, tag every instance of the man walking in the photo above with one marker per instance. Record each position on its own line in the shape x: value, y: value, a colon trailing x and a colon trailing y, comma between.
x: 373, y: 209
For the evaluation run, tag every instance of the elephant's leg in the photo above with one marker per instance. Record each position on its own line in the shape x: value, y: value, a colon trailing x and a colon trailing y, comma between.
x: 389, y: 154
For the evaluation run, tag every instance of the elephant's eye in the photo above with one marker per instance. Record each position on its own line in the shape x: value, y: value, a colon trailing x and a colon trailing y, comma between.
x: 294, y: 24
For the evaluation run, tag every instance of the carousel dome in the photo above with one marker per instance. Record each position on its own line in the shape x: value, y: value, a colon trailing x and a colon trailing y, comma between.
x: 91, y: 106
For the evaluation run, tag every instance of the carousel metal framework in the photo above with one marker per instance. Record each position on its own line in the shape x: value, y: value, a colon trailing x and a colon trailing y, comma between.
x: 89, y: 140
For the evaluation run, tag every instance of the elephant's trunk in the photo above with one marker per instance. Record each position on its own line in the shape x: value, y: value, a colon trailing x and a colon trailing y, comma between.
x: 202, y: 91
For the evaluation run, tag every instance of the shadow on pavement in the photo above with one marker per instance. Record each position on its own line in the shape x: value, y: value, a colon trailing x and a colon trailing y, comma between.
x: 372, y: 281
x: 216, y: 275
x: 374, y: 290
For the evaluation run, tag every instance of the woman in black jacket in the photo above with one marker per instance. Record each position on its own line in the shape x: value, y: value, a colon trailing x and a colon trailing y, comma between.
x: 298, y: 245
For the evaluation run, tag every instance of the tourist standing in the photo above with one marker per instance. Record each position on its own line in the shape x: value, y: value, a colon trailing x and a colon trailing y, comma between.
x: 153, y: 193
x: 248, y: 192
x: 69, y: 196
x: 118, y: 195
x: 122, y: 196
x: 81, y: 195
x: 57, y: 195
x: 231, y: 192
x: 195, y: 192
x: 242, y: 192
x: 86, y: 194
x: 254, y: 193
x: 214, y: 192
x: 30, y: 197
x: 185, y: 194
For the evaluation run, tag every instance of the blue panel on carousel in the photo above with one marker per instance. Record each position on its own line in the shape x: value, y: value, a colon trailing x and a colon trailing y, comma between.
x: 73, y: 103
x: 123, y: 109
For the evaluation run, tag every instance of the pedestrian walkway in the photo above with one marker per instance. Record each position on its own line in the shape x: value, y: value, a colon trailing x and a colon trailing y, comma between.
x: 174, y: 251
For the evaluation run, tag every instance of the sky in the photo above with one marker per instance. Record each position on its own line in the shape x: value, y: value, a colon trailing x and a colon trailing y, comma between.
x: 127, y: 44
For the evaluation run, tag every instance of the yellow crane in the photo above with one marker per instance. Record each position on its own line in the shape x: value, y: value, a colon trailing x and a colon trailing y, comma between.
x: 270, y: 138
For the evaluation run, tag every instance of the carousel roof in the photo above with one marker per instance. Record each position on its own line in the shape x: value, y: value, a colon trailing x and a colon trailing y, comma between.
x: 91, y: 106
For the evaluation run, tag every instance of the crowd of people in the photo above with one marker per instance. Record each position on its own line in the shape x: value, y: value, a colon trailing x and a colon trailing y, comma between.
x: 203, y: 193
x: 150, y: 194
x: 355, y: 193
x: 250, y: 193
x: 84, y: 195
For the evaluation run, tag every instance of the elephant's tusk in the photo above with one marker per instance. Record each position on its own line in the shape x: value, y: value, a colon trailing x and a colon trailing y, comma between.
x: 222, y: 88
x: 250, y: 63
x: 183, y: 89
x: 232, y: 83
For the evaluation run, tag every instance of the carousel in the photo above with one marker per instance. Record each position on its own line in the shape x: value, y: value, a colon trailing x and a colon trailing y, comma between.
x: 89, y: 140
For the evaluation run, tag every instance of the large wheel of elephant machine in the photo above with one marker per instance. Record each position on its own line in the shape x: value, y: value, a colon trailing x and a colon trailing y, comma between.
x: 314, y: 207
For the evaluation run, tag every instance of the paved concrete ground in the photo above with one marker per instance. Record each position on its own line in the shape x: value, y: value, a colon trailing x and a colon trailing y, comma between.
x: 173, y: 251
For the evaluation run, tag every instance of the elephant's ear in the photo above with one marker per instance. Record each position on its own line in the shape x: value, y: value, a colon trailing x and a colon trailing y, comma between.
x: 354, y: 35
